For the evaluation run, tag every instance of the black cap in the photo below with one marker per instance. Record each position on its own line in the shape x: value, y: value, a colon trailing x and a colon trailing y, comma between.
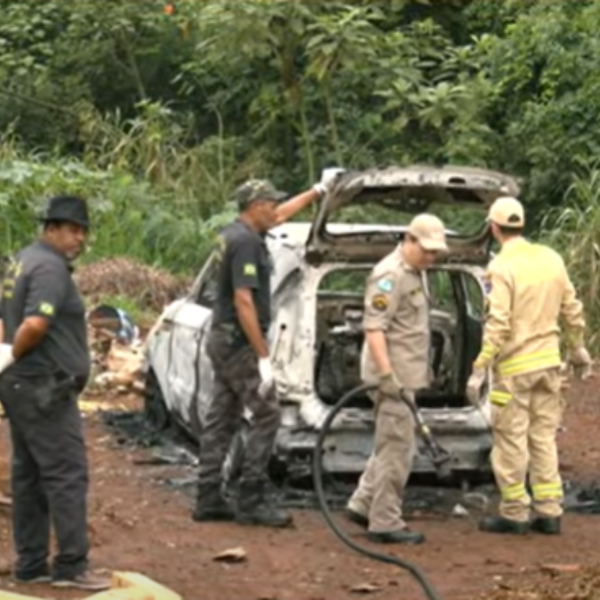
x: 66, y: 208
x: 257, y: 189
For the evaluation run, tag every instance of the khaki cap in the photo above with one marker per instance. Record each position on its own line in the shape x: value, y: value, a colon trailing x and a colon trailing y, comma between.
x: 507, y: 212
x: 429, y: 231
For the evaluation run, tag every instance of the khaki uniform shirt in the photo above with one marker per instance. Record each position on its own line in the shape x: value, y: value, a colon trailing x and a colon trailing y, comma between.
x: 396, y: 303
x: 528, y: 291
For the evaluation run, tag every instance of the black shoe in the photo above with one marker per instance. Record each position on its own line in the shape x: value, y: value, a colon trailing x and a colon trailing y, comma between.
x: 356, y: 517
x: 42, y: 576
x: 502, y: 525
x: 88, y: 580
x: 546, y: 525
x: 400, y: 536
x: 256, y: 508
x: 211, y: 506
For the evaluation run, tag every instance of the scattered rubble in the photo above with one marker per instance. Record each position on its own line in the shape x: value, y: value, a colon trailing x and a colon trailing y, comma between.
x: 232, y: 555
x: 116, y: 357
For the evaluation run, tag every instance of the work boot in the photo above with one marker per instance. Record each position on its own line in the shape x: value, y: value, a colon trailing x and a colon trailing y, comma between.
x: 400, y: 536
x: 256, y: 508
x: 211, y: 506
x: 503, y: 525
x: 547, y: 525
x: 356, y: 517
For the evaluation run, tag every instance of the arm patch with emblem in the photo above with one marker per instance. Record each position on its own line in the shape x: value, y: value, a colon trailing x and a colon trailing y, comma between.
x: 380, y: 302
x: 46, y: 309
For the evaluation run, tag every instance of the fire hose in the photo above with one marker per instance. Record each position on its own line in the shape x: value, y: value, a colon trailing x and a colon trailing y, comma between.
x: 439, y: 457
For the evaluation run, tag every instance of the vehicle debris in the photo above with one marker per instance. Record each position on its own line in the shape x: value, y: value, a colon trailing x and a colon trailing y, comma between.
x: 232, y: 555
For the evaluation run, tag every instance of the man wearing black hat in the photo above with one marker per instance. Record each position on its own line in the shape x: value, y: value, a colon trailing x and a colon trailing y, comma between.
x: 239, y: 353
x: 44, y: 365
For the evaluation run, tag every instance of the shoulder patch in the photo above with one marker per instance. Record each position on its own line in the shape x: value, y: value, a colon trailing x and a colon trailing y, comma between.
x: 385, y: 285
x: 249, y: 270
x: 487, y: 284
x: 379, y: 302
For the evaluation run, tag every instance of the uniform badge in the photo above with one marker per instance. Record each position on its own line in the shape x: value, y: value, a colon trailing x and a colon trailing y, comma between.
x: 385, y: 285
x: 379, y: 302
x: 249, y: 270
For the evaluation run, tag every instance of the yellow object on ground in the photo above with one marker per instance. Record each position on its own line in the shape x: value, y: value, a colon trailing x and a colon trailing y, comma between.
x: 124, y: 586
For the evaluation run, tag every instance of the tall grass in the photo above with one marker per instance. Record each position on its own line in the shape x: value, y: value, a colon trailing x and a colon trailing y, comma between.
x: 574, y: 230
x: 155, y: 195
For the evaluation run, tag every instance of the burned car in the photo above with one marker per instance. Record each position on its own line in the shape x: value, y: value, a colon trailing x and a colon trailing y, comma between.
x: 318, y: 281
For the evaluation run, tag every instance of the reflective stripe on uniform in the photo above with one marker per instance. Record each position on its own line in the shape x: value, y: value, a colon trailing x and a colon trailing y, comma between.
x: 547, y: 491
x: 516, y: 491
x: 529, y: 362
x: 499, y: 398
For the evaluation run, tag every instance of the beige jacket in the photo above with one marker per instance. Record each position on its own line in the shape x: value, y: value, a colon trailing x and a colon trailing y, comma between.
x: 529, y: 291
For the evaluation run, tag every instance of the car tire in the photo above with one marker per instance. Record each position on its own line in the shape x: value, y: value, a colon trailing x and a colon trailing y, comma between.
x: 155, y: 409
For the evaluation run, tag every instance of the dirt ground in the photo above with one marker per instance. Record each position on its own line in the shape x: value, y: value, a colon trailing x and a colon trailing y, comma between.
x: 138, y: 523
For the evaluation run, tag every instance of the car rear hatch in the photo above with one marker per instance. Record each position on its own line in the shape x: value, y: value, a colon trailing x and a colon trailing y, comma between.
x: 409, y: 191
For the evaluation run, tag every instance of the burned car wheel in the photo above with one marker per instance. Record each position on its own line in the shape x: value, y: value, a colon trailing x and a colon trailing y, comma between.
x: 155, y: 409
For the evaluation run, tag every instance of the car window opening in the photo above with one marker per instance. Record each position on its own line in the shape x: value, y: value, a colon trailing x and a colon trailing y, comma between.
x: 456, y: 313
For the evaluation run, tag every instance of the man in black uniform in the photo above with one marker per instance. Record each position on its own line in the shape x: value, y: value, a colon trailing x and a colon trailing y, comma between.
x: 238, y: 349
x: 44, y: 361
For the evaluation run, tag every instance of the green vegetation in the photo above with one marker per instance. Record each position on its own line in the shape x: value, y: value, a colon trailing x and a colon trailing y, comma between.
x: 156, y: 117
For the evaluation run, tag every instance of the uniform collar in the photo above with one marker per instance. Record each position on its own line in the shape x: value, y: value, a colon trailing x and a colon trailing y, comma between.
x: 46, y: 247
x: 262, y: 236
x: 403, y: 262
x: 513, y: 243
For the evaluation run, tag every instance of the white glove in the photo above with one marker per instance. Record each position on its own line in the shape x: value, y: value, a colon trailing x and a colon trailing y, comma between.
x: 6, y: 356
x: 474, y: 386
x: 327, y: 178
x: 267, y: 379
x: 580, y: 360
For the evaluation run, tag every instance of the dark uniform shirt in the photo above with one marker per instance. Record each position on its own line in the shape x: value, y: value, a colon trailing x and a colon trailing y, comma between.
x: 245, y: 263
x: 39, y: 283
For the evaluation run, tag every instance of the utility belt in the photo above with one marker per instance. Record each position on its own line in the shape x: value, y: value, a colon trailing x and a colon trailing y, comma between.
x: 49, y: 392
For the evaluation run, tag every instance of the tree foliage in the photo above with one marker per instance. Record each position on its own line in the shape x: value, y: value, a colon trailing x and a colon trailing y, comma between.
x: 189, y: 102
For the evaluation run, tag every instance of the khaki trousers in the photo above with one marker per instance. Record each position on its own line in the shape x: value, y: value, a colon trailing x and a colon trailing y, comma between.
x: 381, y: 486
x: 526, y: 413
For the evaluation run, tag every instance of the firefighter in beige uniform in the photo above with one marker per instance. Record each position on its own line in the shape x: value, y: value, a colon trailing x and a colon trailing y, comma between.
x: 396, y: 357
x: 529, y: 290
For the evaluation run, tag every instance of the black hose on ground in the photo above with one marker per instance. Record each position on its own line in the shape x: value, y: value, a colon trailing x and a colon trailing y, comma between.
x: 425, y: 584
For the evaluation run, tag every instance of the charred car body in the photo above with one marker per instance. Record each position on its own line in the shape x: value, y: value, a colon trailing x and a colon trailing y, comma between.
x: 318, y: 281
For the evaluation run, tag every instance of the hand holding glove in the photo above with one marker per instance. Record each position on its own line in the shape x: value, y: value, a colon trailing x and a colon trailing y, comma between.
x: 474, y: 386
x: 6, y: 356
x: 579, y: 358
x: 389, y: 385
x: 327, y: 178
x: 267, y: 378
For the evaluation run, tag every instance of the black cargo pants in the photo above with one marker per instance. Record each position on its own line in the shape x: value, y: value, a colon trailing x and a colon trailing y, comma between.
x: 49, y: 473
x: 235, y: 387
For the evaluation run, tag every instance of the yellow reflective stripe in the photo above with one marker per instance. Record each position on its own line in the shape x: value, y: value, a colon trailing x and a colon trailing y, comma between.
x: 544, y: 358
x: 499, y: 398
x: 487, y: 351
x: 543, y: 491
x: 513, y: 492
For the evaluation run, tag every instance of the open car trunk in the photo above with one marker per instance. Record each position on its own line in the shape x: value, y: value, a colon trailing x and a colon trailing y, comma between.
x: 411, y: 190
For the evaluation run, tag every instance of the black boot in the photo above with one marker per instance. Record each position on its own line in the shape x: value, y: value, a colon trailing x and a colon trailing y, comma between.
x: 503, y: 525
x: 211, y: 506
x: 255, y: 508
x: 400, y: 536
x: 547, y: 525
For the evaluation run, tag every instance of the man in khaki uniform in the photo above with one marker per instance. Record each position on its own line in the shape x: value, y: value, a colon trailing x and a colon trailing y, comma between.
x: 396, y: 357
x: 529, y: 290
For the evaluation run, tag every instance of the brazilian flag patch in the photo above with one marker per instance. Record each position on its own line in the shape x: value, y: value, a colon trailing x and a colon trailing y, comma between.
x: 249, y: 270
x: 47, y: 309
